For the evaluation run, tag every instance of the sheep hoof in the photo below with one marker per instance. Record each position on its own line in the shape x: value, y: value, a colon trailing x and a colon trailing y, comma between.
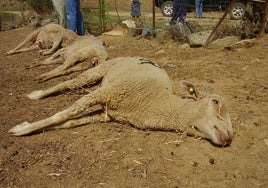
x: 35, y: 95
x: 20, y: 129
x: 45, y: 52
x: 9, y: 53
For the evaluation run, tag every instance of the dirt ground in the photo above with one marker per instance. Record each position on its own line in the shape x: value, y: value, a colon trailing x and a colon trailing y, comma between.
x: 117, y: 155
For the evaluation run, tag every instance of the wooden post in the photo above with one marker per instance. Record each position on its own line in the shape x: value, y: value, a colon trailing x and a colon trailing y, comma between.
x: 115, y: 6
x: 21, y: 10
x: 263, y: 20
x: 102, y: 14
x: 153, y: 11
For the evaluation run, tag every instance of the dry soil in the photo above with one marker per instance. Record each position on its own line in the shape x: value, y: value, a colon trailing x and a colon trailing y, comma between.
x: 118, y: 155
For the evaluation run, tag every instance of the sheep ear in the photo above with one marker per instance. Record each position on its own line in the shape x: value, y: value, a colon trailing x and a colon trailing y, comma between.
x: 189, y: 90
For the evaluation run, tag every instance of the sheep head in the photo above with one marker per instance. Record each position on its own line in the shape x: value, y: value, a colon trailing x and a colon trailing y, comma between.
x: 43, y: 41
x: 211, y: 116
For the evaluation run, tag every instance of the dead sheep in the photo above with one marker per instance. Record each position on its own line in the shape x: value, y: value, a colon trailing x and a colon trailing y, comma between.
x: 139, y: 92
x: 48, y: 39
x: 87, y: 48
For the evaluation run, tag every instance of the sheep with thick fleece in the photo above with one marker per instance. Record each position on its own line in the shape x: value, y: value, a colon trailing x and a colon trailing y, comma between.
x: 87, y: 48
x: 139, y: 92
x: 48, y: 38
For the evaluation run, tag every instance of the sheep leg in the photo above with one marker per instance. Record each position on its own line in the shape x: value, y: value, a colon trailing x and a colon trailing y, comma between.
x: 79, y: 107
x: 78, y: 68
x: 97, y: 118
x: 31, y: 48
x: 56, y: 58
x: 30, y: 39
x: 88, y: 77
x: 51, y: 59
x: 59, y: 70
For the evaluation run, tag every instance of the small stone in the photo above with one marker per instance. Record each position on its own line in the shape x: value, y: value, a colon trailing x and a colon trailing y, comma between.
x: 14, y: 153
x: 212, y: 161
x: 210, y: 81
x: 195, y: 164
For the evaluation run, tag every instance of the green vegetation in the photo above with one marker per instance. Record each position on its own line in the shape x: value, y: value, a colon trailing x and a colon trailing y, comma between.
x: 7, y: 16
x: 92, y: 19
x: 98, y: 19
x: 41, y: 6
x: 13, y: 7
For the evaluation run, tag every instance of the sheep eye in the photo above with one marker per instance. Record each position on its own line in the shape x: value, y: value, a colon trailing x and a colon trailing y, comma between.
x: 215, y: 101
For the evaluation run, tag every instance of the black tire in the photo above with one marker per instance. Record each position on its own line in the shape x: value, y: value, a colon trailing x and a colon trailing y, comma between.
x: 238, y: 11
x: 167, y: 8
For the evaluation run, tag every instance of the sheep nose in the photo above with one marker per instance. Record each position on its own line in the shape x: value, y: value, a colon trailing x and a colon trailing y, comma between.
x: 39, y: 43
x: 227, y: 140
x: 95, y: 61
x: 224, y: 138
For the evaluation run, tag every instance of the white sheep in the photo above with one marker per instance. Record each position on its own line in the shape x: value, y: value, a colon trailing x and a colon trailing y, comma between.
x: 139, y: 92
x: 87, y: 48
x: 48, y: 38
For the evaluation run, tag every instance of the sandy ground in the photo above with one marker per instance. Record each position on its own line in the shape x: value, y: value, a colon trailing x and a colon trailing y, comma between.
x: 117, y: 155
